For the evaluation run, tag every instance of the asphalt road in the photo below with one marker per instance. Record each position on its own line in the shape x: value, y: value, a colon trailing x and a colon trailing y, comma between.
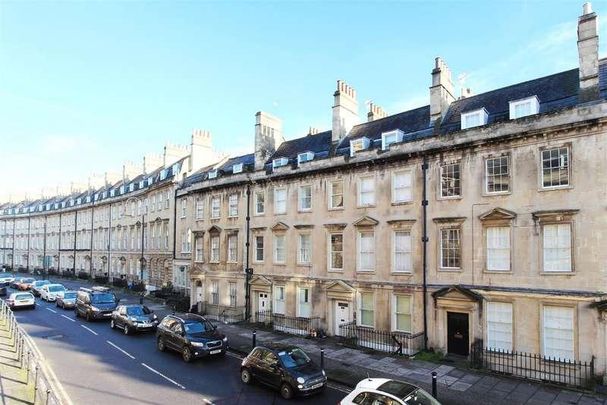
x: 98, y: 365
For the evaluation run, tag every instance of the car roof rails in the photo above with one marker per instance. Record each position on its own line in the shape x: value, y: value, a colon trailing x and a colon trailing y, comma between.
x: 99, y: 288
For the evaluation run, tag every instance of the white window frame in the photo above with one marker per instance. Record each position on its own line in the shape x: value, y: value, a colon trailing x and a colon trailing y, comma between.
x: 332, y: 194
x: 360, y: 309
x: 558, y: 149
x: 386, y: 137
x: 258, y: 250
x: 237, y: 168
x: 212, y: 174
x: 304, y: 253
x: 302, y: 199
x: 359, y: 254
x: 459, y: 180
x: 332, y: 252
x: 199, y: 249
x: 562, y: 243
x: 263, y: 202
x: 499, y: 321
x: 480, y: 113
x: 233, y: 205
x: 184, y: 207
x: 233, y: 293
x: 304, y: 308
x: 279, y: 299
x: 280, y: 162
x: 199, y: 208
x: 493, y: 176
x: 395, y: 312
x: 457, y: 228
x: 215, y: 246
x: 534, y: 107
x: 492, y: 251
x: 359, y: 145
x: 214, y: 292
x: 277, y: 191
x: 215, y: 208
x: 559, y: 328
x: 409, y: 187
x: 276, y: 251
x: 305, y: 157
x: 233, y: 248
x: 370, y: 203
x: 407, y: 251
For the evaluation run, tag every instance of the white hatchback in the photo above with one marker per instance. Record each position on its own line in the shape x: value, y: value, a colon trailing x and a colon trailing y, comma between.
x: 21, y: 300
x: 49, y: 292
x: 382, y: 391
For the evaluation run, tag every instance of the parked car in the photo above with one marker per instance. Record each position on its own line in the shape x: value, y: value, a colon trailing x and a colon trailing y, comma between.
x: 25, y: 284
x: 191, y: 335
x: 15, y: 283
x: 21, y: 300
x: 284, y: 367
x: 3, y: 291
x: 6, y: 280
x: 134, y: 318
x: 49, y: 291
x: 66, y: 299
x: 386, y: 391
x: 37, y: 285
x: 95, y: 303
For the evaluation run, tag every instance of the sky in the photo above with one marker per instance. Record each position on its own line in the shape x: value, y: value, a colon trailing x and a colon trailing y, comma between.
x: 88, y: 85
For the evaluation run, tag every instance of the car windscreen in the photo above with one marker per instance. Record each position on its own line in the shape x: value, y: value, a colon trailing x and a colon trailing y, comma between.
x: 56, y: 288
x: 41, y: 282
x: 293, y: 358
x: 69, y: 296
x: 103, y: 298
x: 198, y: 327
x: 23, y: 296
x: 137, y: 311
x: 420, y: 397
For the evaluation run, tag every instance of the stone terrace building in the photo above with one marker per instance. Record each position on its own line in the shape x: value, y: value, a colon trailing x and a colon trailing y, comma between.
x: 99, y: 231
x: 478, y: 218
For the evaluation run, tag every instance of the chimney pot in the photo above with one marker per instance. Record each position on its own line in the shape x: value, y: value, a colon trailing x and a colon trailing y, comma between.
x: 587, y: 8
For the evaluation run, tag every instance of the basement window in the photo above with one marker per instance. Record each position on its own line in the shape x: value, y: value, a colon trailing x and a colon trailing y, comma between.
x: 524, y: 107
x: 473, y: 119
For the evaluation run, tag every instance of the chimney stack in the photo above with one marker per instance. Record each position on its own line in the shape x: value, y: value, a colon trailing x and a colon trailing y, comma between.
x: 172, y: 153
x: 313, y: 131
x: 130, y: 170
x: 345, y: 111
x: 201, y: 150
x: 465, y: 93
x: 151, y: 162
x: 588, y: 52
x: 375, y: 112
x: 268, y: 137
x: 441, y: 92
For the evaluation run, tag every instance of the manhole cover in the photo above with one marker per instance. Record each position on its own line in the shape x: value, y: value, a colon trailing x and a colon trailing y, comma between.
x: 53, y: 337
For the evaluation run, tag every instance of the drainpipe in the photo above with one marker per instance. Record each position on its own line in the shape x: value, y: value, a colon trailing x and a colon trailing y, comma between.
x: 29, y: 224
x: 92, y: 233
x: 109, y: 242
x: 425, y: 250
x: 44, y: 267
x: 75, y: 239
x: 248, y: 270
x: 59, y: 244
x: 14, y: 242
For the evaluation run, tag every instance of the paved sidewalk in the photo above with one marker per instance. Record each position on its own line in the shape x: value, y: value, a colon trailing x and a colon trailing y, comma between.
x: 455, y: 385
x: 14, y: 385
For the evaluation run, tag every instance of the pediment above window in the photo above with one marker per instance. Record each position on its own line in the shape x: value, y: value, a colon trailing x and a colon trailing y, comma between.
x: 198, y: 233
x: 280, y: 226
x: 303, y: 226
x: 335, y: 227
x: 340, y: 287
x: 260, y: 281
x: 214, y: 229
x: 366, y: 221
x: 457, y: 292
x: 497, y: 214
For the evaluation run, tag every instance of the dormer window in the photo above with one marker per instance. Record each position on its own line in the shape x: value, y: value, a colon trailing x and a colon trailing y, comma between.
x: 122, y: 189
x: 305, y: 157
x: 524, y: 107
x: 163, y: 174
x: 48, y: 207
x: 112, y: 193
x: 474, y: 118
x: 213, y: 174
x: 237, y: 168
x: 358, y: 145
x: 88, y: 198
x: 71, y: 203
x: 280, y: 162
x: 150, y: 181
x: 141, y: 184
x: 104, y: 195
x: 388, y: 138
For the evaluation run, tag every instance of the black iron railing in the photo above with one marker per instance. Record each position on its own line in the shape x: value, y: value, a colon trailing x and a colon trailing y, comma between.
x: 534, y: 366
x: 403, y: 343
x: 288, y: 324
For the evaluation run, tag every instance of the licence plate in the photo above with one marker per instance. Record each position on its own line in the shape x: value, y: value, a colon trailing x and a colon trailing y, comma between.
x: 316, y: 386
x: 107, y: 314
x: 23, y: 301
x: 215, y: 351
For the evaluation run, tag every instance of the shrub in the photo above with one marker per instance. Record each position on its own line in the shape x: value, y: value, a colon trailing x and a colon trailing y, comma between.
x: 138, y: 286
x: 179, y: 304
x: 83, y: 275
x: 101, y: 279
x: 120, y: 282
x: 22, y: 270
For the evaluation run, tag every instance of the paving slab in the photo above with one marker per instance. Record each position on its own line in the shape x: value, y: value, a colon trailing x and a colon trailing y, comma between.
x: 443, y: 370
x: 460, y: 386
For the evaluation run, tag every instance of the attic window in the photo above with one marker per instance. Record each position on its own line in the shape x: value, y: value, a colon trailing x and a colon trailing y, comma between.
x: 237, y: 168
x: 213, y: 174
x: 524, y: 107
x: 150, y: 181
x: 104, y: 195
x: 71, y: 203
x: 388, y: 138
x: 163, y: 174
x: 88, y: 198
x: 474, y: 118
x: 112, y: 193
x: 131, y: 187
x: 40, y: 207
x: 280, y: 162
x: 122, y: 189
x: 48, y: 207
x: 358, y: 145
x: 141, y: 184
x: 79, y: 201
x: 305, y: 157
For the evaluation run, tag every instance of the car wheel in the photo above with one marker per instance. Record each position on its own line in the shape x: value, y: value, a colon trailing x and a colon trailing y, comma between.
x: 286, y: 391
x: 88, y: 317
x: 245, y: 376
x: 126, y: 329
x: 112, y: 324
x: 186, y: 354
x: 160, y: 345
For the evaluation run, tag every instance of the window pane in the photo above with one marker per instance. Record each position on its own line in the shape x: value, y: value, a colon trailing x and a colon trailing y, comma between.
x: 498, y: 248
x: 557, y: 247
x: 337, y: 198
x: 555, y: 167
x: 559, y: 333
x: 499, y: 326
x: 336, y: 251
x: 450, y: 180
x: 450, y: 248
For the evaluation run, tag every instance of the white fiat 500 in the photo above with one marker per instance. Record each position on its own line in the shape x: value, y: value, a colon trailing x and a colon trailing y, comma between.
x: 21, y: 300
x: 388, y: 392
x: 49, y: 292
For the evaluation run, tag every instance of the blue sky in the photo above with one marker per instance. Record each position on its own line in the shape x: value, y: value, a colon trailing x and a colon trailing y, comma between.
x: 85, y: 86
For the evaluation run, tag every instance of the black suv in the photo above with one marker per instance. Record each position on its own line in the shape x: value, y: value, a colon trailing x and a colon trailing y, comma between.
x: 134, y: 318
x: 95, y: 303
x: 191, y: 335
x: 287, y: 368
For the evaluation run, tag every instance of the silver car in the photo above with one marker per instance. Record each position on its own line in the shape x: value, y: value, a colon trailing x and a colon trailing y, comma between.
x: 66, y: 299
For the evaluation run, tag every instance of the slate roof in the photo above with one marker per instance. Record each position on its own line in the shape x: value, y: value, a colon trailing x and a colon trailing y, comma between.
x: 248, y: 162
x: 319, y: 143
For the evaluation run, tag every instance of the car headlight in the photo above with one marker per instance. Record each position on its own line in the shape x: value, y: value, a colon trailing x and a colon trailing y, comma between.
x: 95, y: 309
x: 154, y: 317
x: 301, y: 380
x: 225, y: 339
x: 132, y: 318
x: 323, y: 373
x: 197, y: 344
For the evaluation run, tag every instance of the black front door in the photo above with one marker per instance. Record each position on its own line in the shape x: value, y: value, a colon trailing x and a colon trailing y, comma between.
x: 457, y: 333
